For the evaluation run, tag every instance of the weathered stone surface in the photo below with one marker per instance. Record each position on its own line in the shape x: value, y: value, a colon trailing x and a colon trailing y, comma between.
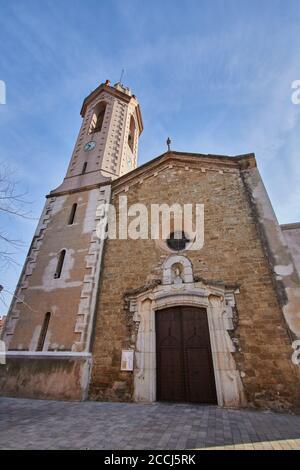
x: 291, y: 233
x: 44, y: 377
x: 233, y: 254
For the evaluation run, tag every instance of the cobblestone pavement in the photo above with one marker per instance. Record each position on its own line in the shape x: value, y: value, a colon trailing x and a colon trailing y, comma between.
x: 35, y: 424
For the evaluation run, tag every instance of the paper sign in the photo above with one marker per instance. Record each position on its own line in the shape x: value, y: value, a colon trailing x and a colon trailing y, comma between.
x: 127, y: 360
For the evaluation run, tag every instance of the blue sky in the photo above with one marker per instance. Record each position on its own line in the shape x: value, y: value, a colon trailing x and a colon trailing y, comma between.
x: 214, y: 75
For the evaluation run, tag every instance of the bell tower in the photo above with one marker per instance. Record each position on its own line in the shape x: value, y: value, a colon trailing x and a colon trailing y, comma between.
x: 50, y: 322
x: 107, y: 144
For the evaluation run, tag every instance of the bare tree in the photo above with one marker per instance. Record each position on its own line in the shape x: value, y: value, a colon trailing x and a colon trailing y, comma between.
x: 12, y: 204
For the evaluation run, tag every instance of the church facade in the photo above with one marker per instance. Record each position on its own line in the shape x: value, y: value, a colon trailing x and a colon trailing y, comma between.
x: 145, y: 319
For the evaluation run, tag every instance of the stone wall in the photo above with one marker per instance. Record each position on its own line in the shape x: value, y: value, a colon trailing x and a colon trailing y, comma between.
x: 233, y: 254
x: 45, y: 377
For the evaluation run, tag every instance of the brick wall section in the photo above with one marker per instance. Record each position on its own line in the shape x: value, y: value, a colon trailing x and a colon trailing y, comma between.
x: 232, y: 253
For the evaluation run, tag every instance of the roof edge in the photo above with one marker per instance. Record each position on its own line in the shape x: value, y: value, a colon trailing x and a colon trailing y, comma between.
x: 240, y: 161
x: 293, y: 226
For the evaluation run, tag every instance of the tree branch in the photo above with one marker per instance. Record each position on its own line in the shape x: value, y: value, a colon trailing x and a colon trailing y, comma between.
x: 12, y: 202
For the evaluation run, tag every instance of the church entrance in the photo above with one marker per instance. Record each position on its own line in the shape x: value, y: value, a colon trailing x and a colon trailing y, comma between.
x: 185, y: 370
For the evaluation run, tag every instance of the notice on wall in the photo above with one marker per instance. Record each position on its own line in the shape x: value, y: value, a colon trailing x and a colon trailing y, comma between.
x: 127, y: 360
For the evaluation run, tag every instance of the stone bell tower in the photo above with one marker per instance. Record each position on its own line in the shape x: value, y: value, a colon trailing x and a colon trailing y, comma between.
x: 107, y: 144
x: 49, y: 326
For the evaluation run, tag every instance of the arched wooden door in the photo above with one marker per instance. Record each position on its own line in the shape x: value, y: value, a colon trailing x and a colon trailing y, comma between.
x: 185, y: 370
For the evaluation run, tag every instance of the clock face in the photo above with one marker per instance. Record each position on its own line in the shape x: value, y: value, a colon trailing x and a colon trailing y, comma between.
x: 89, y: 146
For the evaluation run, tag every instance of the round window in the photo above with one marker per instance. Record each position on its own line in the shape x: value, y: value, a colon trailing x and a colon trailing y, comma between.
x: 177, y: 241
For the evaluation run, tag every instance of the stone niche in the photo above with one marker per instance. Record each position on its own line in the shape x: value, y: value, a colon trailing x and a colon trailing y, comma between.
x: 178, y: 287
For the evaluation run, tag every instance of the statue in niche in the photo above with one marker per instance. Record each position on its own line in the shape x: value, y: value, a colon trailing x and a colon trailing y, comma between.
x: 177, y: 274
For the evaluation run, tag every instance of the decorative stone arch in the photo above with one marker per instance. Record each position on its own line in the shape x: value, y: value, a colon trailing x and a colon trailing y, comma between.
x: 97, y: 118
x: 186, y: 272
x: 132, y: 132
x: 219, y: 303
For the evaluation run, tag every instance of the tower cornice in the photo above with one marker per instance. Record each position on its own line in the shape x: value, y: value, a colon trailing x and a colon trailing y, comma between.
x: 117, y: 94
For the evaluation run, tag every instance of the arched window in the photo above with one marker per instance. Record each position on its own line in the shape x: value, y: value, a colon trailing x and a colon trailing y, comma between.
x: 84, y: 168
x: 72, y: 214
x: 131, y: 134
x: 43, y: 333
x: 98, y: 118
x: 178, y: 241
x: 60, y: 264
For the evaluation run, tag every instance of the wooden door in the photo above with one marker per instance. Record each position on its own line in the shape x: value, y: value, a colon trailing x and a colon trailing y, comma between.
x: 184, y: 360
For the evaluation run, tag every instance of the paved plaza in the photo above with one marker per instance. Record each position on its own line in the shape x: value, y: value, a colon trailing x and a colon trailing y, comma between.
x: 36, y: 424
